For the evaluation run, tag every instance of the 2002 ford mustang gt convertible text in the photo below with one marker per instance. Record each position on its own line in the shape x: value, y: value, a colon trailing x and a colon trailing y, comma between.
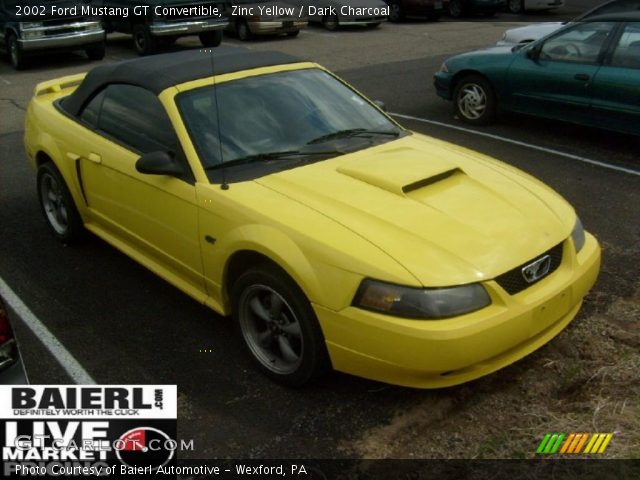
x: 267, y: 188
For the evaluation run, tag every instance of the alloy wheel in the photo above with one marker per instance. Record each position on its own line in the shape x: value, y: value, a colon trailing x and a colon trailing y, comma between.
x: 54, y: 204
x: 271, y: 329
x: 472, y: 101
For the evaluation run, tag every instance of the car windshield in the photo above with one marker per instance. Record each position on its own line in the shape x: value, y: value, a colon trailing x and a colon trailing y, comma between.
x: 280, y: 118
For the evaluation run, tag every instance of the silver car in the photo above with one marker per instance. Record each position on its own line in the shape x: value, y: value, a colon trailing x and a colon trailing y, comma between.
x: 530, y: 33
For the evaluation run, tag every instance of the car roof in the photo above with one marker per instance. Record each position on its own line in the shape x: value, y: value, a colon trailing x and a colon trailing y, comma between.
x: 159, y: 72
x: 632, y: 16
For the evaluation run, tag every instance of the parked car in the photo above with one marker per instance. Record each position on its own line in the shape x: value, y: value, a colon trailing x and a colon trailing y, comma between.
x: 520, y: 6
x: 263, y: 17
x: 39, y: 36
x: 530, y: 33
x: 333, y: 14
x: 345, y: 242
x: 163, y: 24
x: 400, y: 9
x: 12, y: 370
x: 586, y: 73
x: 460, y: 8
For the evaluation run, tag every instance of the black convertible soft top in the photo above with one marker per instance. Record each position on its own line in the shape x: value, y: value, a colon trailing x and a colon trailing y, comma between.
x: 159, y: 72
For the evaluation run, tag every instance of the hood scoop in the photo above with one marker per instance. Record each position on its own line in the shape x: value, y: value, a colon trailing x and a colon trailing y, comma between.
x: 400, y: 171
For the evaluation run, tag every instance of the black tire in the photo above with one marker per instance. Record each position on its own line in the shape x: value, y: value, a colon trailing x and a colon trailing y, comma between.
x: 456, y: 8
x: 307, y: 351
x: 211, y: 39
x: 515, y: 6
x: 470, y: 93
x: 243, y: 31
x: 396, y: 11
x: 295, y: 33
x: 70, y: 229
x: 96, y: 52
x: 143, y: 41
x: 16, y: 56
x: 331, y: 23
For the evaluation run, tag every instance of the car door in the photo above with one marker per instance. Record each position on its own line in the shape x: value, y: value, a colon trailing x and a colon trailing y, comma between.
x: 616, y: 86
x: 154, y: 217
x: 553, y: 77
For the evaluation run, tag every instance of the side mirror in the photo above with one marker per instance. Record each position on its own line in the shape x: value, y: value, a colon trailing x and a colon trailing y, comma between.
x: 159, y: 163
x: 380, y: 104
x: 534, y: 53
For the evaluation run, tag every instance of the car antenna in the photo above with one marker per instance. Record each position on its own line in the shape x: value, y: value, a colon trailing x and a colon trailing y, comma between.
x: 224, y: 185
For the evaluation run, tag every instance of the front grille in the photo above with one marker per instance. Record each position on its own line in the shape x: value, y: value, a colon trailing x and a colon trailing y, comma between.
x: 513, y: 281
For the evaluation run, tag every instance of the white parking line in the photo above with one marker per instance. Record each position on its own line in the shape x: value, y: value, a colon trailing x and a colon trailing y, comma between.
x: 5, y: 81
x: 522, y: 144
x: 66, y: 360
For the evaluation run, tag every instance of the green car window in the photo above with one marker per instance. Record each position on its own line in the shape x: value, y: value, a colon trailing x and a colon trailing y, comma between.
x: 627, y: 52
x: 581, y: 44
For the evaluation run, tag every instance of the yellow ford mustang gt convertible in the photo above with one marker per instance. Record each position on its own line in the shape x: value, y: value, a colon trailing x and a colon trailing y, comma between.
x: 268, y: 189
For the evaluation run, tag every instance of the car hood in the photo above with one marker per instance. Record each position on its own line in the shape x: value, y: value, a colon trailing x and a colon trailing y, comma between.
x: 530, y: 33
x: 446, y: 214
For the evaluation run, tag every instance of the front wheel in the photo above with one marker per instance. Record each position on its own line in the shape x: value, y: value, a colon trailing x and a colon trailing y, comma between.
x: 456, y: 9
x: 278, y: 326
x: 331, y: 23
x: 211, y: 39
x: 474, y: 100
x: 515, y: 6
x: 244, y: 32
x: 144, y: 42
x: 16, y: 55
x: 58, y: 206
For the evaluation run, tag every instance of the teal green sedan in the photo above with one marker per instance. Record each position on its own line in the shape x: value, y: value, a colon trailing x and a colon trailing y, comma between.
x: 586, y: 73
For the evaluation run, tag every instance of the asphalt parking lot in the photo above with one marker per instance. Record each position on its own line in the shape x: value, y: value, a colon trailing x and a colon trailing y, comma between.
x: 126, y: 326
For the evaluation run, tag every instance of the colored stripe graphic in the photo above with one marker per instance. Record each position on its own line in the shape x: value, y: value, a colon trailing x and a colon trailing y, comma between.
x: 573, y: 443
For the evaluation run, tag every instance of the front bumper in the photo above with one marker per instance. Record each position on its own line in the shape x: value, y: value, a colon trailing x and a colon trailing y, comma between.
x: 274, y: 27
x: 74, y: 39
x: 192, y: 27
x: 442, y: 353
x: 442, y: 84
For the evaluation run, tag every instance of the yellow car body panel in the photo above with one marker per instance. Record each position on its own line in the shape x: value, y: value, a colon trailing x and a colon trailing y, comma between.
x: 375, y: 213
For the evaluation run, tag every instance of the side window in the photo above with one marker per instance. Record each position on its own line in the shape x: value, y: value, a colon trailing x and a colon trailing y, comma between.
x: 91, y: 112
x: 581, y: 44
x: 627, y: 52
x: 136, y: 117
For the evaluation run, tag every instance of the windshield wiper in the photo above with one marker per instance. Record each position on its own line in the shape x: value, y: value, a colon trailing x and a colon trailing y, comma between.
x: 352, y: 132
x: 269, y: 157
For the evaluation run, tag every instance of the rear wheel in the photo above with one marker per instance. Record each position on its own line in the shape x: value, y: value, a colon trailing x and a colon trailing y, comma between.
x: 211, y: 39
x: 515, y: 6
x: 278, y: 326
x: 144, y: 42
x: 474, y: 100
x: 456, y: 8
x: 396, y: 12
x: 58, y: 206
x: 16, y: 55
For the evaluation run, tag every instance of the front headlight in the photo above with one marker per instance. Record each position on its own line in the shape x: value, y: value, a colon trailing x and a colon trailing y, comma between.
x: 578, y: 235
x: 28, y: 25
x: 420, y: 303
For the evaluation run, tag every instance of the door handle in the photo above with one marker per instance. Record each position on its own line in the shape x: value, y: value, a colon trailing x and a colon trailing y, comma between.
x: 582, y: 77
x: 95, y: 158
